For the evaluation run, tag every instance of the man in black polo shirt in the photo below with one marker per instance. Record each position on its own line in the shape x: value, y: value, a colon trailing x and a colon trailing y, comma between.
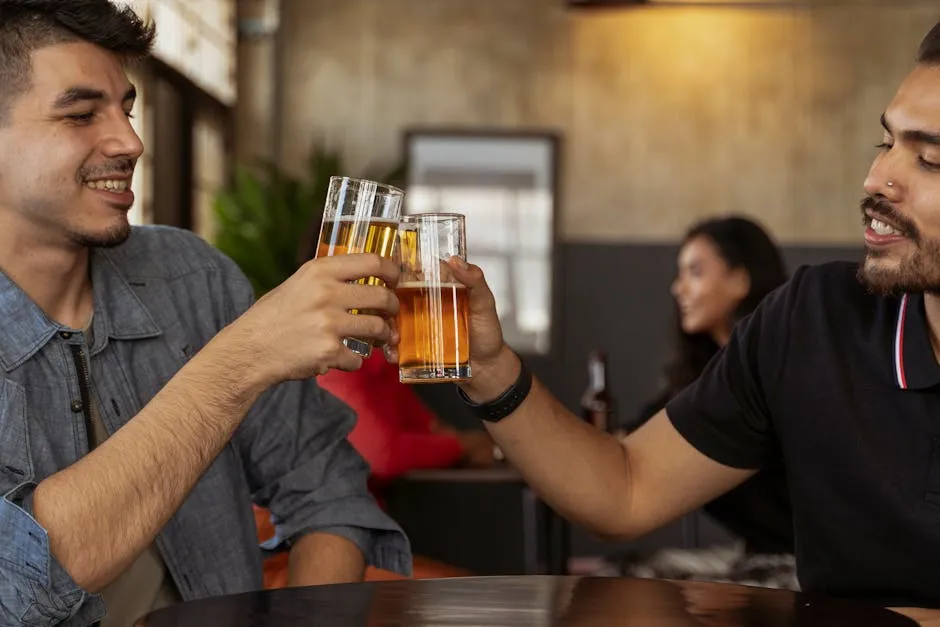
x: 836, y: 372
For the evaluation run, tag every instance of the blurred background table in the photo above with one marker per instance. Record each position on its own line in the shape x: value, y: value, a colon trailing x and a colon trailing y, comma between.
x: 530, y: 601
x: 485, y: 520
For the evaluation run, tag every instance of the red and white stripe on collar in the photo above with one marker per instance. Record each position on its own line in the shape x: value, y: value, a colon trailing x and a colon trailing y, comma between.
x: 899, y: 343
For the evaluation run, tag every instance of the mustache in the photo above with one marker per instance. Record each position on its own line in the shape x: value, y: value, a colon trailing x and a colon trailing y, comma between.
x: 119, y: 167
x: 880, y: 206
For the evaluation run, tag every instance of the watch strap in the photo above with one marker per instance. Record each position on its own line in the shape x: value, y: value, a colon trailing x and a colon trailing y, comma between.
x: 506, y: 403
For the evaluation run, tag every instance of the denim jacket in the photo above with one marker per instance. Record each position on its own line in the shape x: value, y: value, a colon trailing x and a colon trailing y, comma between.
x: 159, y: 298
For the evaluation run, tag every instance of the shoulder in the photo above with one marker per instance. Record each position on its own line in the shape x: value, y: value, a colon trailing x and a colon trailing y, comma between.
x: 174, y: 270
x: 815, y: 301
x: 165, y: 252
x: 839, y: 277
x: 821, y: 291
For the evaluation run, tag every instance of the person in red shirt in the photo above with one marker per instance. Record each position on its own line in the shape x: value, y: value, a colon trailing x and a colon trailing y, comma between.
x: 396, y: 433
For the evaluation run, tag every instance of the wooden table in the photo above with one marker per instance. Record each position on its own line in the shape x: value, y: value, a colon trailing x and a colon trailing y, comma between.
x: 468, y: 517
x: 526, y: 601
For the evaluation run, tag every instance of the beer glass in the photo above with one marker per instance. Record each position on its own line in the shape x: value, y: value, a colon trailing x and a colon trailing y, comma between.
x: 434, y: 309
x: 360, y: 217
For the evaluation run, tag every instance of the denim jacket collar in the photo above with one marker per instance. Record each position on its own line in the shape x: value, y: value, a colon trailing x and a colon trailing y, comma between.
x: 119, y: 314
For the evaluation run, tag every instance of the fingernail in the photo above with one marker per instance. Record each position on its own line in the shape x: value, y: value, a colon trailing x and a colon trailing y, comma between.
x: 463, y: 264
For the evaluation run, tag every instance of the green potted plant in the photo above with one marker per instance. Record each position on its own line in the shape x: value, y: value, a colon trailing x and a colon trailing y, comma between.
x: 267, y: 220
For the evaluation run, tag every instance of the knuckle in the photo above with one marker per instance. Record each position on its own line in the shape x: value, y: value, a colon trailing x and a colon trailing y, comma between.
x: 313, y: 267
x: 371, y: 325
x: 324, y: 293
x: 373, y: 262
x: 331, y: 322
x: 329, y: 351
x: 376, y: 298
x: 391, y: 267
x: 391, y: 301
x: 380, y: 328
x: 336, y: 349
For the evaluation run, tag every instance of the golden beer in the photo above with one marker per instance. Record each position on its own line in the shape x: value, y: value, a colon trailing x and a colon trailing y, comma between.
x: 434, y: 322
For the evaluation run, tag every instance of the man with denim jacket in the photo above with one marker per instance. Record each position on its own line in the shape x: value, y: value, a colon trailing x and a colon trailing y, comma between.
x: 145, y: 400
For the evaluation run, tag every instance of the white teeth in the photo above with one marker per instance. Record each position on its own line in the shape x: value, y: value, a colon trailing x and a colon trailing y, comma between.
x: 115, y: 185
x: 881, y: 228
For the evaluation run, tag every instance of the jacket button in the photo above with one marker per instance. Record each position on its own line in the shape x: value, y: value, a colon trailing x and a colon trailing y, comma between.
x: 65, y: 335
x: 77, y: 406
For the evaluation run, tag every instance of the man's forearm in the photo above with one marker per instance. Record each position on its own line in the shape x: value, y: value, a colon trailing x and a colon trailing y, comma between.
x: 322, y: 558
x: 924, y: 617
x: 577, y: 469
x: 104, y: 510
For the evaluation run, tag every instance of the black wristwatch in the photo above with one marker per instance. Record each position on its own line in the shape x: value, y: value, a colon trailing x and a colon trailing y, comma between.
x: 505, y: 403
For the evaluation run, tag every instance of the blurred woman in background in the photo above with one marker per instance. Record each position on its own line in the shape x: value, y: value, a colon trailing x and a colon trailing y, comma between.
x: 726, y: 266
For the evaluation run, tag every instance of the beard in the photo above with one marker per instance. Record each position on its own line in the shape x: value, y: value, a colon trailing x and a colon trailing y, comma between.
x: 109, y: 238
x: 884, y: 273
x: 116, y: 234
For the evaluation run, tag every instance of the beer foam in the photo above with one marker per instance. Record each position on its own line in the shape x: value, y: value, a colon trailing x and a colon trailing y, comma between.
x: 427, y: 285
x: 370, y: 220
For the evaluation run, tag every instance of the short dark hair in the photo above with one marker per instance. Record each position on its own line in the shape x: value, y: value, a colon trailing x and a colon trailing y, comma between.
x: 929, y: 52
x: 27, y: 25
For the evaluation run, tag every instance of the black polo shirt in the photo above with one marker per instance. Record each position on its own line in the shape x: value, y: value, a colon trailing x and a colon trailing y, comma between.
x: 843, y: 385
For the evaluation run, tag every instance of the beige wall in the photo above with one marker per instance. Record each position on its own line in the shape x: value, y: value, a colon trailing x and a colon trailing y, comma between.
x: 209, y: 169
x: 667, y: 113
x: 254, y: 137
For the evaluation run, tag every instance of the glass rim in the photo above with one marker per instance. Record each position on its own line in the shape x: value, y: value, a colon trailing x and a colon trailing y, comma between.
x: 432, y: 215
x: 382, y: 187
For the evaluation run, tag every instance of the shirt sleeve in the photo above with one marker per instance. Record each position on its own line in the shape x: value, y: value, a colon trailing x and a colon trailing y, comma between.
x: 300, y: 466
x: 34, y: 588
x: 725, y: 413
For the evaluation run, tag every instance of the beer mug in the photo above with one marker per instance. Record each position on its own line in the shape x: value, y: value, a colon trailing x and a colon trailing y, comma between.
x: 434, y: 309
x: 360, y: 217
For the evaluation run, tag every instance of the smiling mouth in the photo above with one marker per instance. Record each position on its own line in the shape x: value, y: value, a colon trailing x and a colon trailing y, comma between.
x: 109, y: 185
x: 882, y: 226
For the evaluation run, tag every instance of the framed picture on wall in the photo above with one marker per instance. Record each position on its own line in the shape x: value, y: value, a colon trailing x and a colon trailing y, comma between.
x: 506, y: 183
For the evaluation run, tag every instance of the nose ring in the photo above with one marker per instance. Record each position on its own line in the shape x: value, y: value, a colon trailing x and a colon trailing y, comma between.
x: 890, y: 183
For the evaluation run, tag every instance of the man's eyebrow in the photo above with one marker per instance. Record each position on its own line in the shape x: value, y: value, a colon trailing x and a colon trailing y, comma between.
x: 914, y: 136
x: 75, y: 95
